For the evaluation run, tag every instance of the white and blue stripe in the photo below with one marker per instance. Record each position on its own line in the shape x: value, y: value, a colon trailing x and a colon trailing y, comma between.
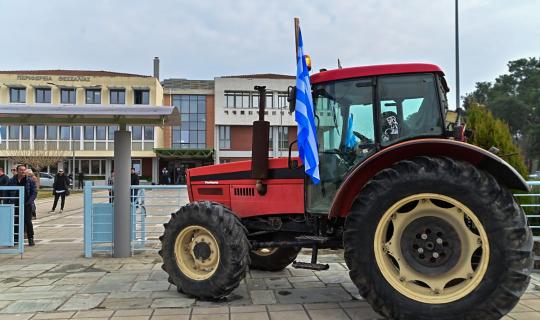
x: 304, y: 116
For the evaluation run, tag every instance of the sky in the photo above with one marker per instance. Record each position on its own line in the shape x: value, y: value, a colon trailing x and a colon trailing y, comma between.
x: 206, y: 39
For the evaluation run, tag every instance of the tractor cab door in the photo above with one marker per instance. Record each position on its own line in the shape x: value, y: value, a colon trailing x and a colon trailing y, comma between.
x: 344, y: 115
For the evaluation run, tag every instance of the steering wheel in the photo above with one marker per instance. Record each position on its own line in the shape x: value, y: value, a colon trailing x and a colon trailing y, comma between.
x: 363, y: 138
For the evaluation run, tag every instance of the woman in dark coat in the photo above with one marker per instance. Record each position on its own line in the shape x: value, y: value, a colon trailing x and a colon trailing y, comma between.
x: 60, y: 189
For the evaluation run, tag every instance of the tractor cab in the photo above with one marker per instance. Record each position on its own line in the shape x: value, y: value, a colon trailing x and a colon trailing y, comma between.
x: 359, y: 111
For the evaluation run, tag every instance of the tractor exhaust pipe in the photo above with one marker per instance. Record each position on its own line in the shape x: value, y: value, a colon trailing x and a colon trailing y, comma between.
x: 260, y: 144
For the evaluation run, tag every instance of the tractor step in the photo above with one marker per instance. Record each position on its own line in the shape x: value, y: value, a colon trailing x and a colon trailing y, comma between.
x: 310, y: 266
x: 315, y: 239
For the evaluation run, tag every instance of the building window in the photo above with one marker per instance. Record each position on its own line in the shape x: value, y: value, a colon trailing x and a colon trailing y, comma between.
x: 191, y: 134
x: 76, y: 133
x: 93, y: 96
x: 68, y: 96
x: 17, y: 95
x: 88, y: 133
x: 283, y: 138
x: 118, y: 96
x: 14, y: 132
x: 136, y: 133
x: 224, y: 137
x: 112, y: 129
x: 246, y: 99
x: 101, y: 132
x: 149, y: 133
x: 43, y: 95
x: 282, y: 102
x: 39, y: 132
x: 25, y: 132
x: 141, y: 97
x: 52, y: 132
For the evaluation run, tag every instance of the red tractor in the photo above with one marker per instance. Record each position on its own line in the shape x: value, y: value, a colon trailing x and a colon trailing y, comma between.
x: 428, y: 225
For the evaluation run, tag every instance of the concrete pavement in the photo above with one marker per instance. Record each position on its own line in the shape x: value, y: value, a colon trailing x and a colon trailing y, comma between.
x: 54, y: 281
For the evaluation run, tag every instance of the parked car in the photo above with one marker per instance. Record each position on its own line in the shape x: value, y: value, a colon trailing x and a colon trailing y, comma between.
x: 46, y: 180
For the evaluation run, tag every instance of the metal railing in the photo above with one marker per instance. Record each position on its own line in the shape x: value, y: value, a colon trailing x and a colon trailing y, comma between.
x: 530, y: 202
x: 12, y: 219
x: 151, y: 206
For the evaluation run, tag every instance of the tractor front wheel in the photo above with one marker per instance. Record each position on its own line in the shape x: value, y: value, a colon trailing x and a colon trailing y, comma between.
x: 205, y: 250
x: 434, y: 238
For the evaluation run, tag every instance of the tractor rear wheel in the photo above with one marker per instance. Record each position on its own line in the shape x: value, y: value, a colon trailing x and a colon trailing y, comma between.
x: 205, y: 250
x: 434, y: 238
x: 273, y: 259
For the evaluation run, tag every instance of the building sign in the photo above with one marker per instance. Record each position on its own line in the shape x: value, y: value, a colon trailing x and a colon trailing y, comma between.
x: 49, y: 78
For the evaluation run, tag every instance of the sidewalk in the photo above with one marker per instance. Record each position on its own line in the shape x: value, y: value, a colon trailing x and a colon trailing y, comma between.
x: 54, y: 281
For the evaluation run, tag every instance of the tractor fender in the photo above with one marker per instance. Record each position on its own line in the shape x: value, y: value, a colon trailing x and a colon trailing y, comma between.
x: 485, y: 160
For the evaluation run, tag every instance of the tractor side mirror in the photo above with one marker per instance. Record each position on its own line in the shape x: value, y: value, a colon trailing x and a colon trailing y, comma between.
x: 291, y: 98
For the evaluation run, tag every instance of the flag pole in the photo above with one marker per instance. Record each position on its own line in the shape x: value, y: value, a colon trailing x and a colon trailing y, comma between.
x: 296, y: 32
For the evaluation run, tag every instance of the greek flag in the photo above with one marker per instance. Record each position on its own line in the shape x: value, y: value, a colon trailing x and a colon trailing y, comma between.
x: 304, y: 116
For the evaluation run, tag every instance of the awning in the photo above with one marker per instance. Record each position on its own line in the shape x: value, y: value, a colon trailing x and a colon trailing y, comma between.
x: 88, y: 114
x: 170, y: 153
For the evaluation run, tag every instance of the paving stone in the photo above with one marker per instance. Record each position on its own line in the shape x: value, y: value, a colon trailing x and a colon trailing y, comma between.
x: 130, y: 295
x: 288, y: 315
x: 12, y: 267
x: 256, y: 274
x: 250, y: 316
x: 86, y: 275
x: 12, y: 282
x: 171, y: 317
x: 285, y: 307
x: 131, y: 318
x: 77, y: 280
x: 313, y: 295
x: 302, y: 285
x: 171, y: 311
x: 352, y: 290
x: 53, y: 315
x: 4, y: 303
x: 39, y: 267
x: 300, y: 272
x: 316, y: 306
x: 20, y: 316
x: 117, y: 278
x: 524, y: 315
x: 277, y: 283
x: 212, y: 310
x: 19, y: 274
x: 256, y: 284
x: 36, y: 289
x: 137, y: 266
x: 336, y: 266
x: 84, y: 301
x: 150, y: 286
x: 323, y: 314
x: 303, y: 279
x: 107, y: 287
x: 158, y: 275
x: 103, y: 314
x: 115, y: 303
x: 35, y: 295
x: 362, y: 314
x: 134, y: 312
x: 533, y: 304
x: 210, y: 317
x: 521, y: 308
x: 262, y: 296
x: 21, y: 306
x: 250, y: 309
x: 172, y: 303
x: 333, y: 276
x: 44, y: 281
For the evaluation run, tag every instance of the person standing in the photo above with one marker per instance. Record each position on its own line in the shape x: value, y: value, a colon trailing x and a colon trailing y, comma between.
x: 134, y: 182
x: 110, y: 182
x: 4, y: 181
x: 164, y: 176
x: 21, y: 180
x: 60, y: 189
x: 30, y: 174
x: 80, y: 179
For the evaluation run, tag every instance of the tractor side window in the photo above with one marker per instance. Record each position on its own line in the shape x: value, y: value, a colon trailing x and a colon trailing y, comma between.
x: 409, y: 107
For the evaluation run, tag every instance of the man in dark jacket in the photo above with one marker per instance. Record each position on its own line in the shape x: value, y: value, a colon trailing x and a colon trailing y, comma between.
x: 60, y: 189
x: 80, y: 178
x: 30, y: 194
x: 134, y: 182
x: 4, y: 181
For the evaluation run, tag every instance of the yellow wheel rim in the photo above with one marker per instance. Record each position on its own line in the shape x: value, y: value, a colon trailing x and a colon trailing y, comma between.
x: 405, y: 263
x: 264, y: 252
x: 197, y: 252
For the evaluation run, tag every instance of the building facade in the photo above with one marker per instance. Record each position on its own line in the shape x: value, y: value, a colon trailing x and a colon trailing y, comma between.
x: 83, y: 148
x: 191, y: 144
x: 236, y: 107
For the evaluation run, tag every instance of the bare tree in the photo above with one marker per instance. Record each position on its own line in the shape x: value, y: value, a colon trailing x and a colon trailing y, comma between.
x: 37, y: 159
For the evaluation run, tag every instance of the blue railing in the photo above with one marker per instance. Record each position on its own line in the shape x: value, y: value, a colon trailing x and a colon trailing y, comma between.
x: 530, y: 202
x: 12, y: 220
x: 151, y: 206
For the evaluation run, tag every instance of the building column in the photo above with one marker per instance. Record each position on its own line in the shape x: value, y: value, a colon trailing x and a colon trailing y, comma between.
x: 121, y: 203
x: 216, y: 145
x: 155, y: 170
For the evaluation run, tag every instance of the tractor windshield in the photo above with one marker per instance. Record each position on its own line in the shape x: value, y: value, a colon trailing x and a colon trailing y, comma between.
x: 351, y: 126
